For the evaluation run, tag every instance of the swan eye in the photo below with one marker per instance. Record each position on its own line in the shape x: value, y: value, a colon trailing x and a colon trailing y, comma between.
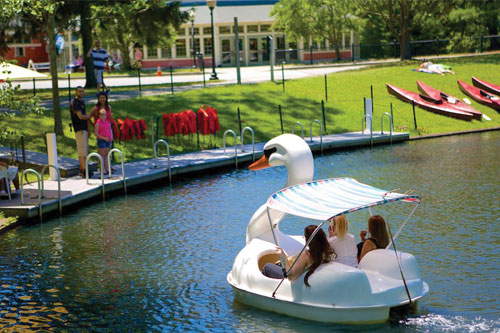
x: 269, y: 151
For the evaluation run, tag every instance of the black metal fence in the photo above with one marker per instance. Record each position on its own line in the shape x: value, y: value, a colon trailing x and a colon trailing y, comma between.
x: 419, y: 48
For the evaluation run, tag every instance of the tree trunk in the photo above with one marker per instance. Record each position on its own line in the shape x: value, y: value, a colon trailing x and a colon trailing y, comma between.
x: 58, y: 128
x: 126, y: 63
x: 86, y: 33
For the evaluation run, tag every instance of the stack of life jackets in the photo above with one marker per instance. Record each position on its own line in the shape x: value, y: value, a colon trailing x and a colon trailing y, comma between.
x: 184, y: 123
x: 130, y: 128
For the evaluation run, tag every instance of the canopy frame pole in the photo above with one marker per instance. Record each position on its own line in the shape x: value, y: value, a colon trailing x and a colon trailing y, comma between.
x: 282, y: 262
x: 399, y: 264
x: 403, y: 225
x: 298, y: 256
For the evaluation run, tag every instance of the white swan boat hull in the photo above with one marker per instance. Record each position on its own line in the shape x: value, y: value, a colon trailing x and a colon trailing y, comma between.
x: 338, y: 293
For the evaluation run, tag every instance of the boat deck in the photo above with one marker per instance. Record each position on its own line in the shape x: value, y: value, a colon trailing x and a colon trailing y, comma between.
x: 75, y: 189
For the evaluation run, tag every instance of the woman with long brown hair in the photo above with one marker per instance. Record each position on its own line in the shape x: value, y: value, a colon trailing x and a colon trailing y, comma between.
x: 319, y: 252
x: 379, y: 238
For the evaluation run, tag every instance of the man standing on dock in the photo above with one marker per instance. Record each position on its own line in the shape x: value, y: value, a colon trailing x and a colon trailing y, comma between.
x: 79, y: 119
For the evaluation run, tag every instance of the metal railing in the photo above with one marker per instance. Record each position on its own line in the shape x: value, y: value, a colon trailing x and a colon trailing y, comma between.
x: 39, y: 193
x: 168, y: 157
x: 123, y: 166
x: 301, y: 127
x: 253, y: 140
x: 320, y: 133
x: 101, y: 161
x: 391, y: 125
x: 45, y: 167
x: 235, y: 145
x: 363, y: 124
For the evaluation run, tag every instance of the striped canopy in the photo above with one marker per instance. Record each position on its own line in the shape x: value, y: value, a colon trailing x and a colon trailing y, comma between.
x: 322, y: 199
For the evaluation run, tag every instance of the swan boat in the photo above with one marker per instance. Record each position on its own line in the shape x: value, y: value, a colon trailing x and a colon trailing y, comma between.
x: 338, y: 293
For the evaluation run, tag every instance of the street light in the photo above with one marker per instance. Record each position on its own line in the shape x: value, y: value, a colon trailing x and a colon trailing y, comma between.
x: 191, y: 18
x: 211, y: 4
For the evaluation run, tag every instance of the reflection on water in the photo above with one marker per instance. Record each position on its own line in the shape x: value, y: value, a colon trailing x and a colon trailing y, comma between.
x: 158, y: 260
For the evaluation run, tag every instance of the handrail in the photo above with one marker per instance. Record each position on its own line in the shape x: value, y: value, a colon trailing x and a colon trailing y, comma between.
x: 363, y: 124
x: 168, y: 157
x: 235, y: 145
x: 391, y: 125
x: 320, y: 133
x: 46, y: 166
x: 302, y: 128
x: 253, y: 140
x: 101, y: 161
x: 39, y: 194
x: 123, y: 166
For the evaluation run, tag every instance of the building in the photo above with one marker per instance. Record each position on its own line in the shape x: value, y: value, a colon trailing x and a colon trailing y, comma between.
x: 254, y: 28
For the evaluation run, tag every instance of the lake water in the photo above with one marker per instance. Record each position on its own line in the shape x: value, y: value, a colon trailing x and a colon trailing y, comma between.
x: 157, y: 260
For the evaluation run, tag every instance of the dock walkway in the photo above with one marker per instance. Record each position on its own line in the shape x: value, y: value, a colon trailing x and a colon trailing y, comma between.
x: 75, y: 189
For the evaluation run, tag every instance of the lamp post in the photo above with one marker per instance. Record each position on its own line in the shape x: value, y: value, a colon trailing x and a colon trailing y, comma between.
x: 191, y: 18
x: 211, y: 4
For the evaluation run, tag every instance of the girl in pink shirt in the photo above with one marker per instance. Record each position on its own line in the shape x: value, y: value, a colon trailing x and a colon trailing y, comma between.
x: 104, y: 137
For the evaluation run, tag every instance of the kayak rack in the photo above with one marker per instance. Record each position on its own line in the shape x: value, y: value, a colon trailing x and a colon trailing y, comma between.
x: 301, y: 127
x: 363, y: 125
x: 101, y: 164
x: 47, y: 166
x: 391, y: 125
x: 168, y: 157
x: 123, y: 166
x: 235, y: 144
x: 320, y: 133
x: 39, y: 194
x: 253, y: 141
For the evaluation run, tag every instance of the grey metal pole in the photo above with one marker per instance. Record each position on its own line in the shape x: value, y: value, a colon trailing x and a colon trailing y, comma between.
x: 272, y: 57
x: 171, y: 82
x: 237, y: 49
x: 214, y: 74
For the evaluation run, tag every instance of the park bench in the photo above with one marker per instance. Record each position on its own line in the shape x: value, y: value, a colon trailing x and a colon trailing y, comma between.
x: 38, y: 65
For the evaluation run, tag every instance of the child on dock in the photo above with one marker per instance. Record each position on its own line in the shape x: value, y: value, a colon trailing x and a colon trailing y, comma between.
x: 104, y: 137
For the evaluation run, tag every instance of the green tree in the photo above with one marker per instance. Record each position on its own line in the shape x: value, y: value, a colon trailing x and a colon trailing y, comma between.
x: 121, y: 24
x: 401, y: 17
x: 316, y: 19
x: 40, y: 15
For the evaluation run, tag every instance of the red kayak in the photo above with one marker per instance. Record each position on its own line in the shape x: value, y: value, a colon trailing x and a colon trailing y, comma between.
x: 487, y: 86
x: 453, y: 102
x: 427, y: 103
x: 480, y: 95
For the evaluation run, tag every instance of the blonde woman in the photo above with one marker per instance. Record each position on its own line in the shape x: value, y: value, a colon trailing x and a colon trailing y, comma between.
x: 343, y: 244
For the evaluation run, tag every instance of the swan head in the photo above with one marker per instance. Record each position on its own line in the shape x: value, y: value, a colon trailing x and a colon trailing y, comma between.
x: 292, y: 152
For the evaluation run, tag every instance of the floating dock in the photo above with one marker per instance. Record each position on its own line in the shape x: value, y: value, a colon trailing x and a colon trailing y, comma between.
x: 74, y: 190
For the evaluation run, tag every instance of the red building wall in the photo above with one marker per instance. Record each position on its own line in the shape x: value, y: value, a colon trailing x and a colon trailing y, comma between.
x: 36, y: 51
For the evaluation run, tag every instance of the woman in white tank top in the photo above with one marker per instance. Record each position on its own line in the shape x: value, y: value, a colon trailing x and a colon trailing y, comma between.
x: 343, y: 244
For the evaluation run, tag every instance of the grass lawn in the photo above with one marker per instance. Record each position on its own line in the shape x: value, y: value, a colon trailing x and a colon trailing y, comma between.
x: 301, y: 101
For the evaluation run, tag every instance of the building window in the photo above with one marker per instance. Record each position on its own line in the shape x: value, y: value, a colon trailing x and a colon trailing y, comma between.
x: 181, y: 32
x: 240, y: 29
x: 152, y: 53
x: 207, y: 45
x: 180, y: 48
x: 225, y: 29
x: 196, y: 45
x: 253, y: 28
x: 207, y: 31
x: 19, y: 52
x: 166, y: 52
x: 265, y: 27
x: 196, y: 31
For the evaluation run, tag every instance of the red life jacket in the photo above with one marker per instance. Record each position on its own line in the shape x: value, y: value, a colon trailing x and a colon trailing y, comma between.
x: 114, y: 126
x: 203, y: 127
x: 142, y: 127
x: 191, y: 121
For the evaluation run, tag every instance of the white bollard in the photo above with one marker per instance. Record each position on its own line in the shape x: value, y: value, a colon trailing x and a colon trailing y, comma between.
x: 369, y: 111
x: 52, y: 153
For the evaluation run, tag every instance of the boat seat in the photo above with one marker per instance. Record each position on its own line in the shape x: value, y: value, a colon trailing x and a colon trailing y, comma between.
x: 268, y: 258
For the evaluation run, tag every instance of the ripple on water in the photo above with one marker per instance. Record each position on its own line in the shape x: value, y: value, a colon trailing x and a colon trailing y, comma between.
x: 157, y: 260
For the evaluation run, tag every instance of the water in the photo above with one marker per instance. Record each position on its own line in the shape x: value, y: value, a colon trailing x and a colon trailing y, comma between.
x: 157, y: 260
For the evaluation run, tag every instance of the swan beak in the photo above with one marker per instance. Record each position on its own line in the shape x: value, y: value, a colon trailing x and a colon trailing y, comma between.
x: 260, y: 164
